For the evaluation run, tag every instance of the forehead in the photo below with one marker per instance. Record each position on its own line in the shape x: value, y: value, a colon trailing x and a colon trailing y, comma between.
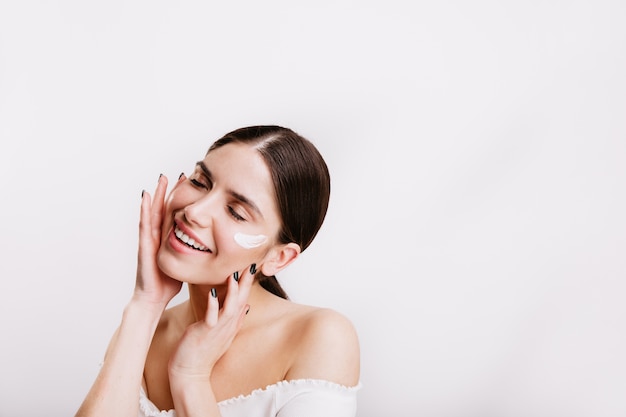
x: 238, y: 155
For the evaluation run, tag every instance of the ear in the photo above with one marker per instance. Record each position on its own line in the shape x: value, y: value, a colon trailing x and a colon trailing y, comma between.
x: 279, y: 257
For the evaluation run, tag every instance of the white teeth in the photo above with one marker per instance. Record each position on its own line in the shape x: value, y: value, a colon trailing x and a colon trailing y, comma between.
x: 187, y: 240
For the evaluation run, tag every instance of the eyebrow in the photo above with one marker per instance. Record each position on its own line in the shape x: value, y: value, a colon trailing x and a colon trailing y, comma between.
x: 242, y: 198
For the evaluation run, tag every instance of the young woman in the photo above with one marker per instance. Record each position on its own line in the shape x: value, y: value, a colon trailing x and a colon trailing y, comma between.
x: 237, y: 347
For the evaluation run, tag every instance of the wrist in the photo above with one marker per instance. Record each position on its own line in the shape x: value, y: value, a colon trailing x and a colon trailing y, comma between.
x: 185, y: 377
x: 142, y: 308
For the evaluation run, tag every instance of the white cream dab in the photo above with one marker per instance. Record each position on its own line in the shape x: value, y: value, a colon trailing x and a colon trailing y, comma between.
x: 249, y: 241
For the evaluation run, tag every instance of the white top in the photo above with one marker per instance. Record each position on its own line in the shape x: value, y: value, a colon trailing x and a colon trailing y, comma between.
x: 296, y: 398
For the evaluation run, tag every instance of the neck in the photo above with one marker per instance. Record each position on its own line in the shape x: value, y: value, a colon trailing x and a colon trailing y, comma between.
x: 198, y: 298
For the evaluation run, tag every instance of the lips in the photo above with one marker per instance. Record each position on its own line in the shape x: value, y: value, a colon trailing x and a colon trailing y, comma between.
x: 188, y: 240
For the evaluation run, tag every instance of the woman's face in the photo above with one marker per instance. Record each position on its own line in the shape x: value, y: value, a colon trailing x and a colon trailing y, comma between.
x: 226, y: 206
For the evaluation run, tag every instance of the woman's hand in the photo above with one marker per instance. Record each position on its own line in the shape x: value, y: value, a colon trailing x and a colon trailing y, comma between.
x: 205, y: 341
x: 114, y: 392
x: 152, y: 286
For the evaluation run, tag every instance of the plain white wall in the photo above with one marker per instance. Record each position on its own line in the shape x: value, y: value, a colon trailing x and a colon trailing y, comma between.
x: 476, y: 232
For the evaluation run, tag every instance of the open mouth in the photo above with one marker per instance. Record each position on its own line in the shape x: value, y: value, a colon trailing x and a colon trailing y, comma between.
x: 189, y: 241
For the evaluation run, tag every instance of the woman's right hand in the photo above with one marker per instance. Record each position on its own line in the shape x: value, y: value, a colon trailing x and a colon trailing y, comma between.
x: 152, y: 286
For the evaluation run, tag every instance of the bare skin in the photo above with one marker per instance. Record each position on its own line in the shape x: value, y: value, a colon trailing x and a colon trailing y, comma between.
x: 211, y: 348
x: 276, y: 342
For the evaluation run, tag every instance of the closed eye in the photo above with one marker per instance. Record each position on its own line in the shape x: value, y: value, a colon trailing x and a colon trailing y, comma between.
x: 198, y: 183
x: 202, y: 173
x: 236, y: 215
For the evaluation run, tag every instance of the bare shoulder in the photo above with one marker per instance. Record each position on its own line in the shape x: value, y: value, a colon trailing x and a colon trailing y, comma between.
x: 327, y: 347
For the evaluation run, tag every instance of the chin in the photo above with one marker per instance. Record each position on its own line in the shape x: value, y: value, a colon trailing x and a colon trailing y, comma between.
x: 181, y: 271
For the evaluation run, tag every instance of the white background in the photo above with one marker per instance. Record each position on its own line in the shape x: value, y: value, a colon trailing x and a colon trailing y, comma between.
x: 476, y: 235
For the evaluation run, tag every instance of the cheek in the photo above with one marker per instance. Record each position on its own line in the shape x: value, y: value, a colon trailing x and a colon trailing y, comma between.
x: 180, y: 197
x: 177, y: 199
x: 233, y: 241
x: 224, y: 232
x: 247, y: 241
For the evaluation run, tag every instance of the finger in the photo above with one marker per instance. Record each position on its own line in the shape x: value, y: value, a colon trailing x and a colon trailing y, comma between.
x: 181, y: 179
x: 242, y: 315
x: 230, y: 305
x: 145, y: 239
x: 144, y: 221
x: 245, y: 283
x: 239, y: 285
x: 213, y: 308
x: 157, y: 207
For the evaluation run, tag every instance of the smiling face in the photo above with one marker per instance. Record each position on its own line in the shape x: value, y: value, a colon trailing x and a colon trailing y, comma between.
x: 229, y: 194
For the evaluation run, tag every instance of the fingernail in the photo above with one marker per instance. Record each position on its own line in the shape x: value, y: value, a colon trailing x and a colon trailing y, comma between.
x: 213, y: 293
x: 236, y: 276
x: 248, y: 310
x: 160, y: 175
x: 142, y: 193
x: 181, y: 175
x: 253, y: 269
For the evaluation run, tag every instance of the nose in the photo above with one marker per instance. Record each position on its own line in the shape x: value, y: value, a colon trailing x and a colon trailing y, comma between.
x: 200, y: 212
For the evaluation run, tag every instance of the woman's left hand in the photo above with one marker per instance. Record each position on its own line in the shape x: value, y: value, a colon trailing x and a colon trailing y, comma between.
x: 205, y: 341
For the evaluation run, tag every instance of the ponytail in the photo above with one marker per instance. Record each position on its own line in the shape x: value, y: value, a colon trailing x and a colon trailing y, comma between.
x: 272, y: 285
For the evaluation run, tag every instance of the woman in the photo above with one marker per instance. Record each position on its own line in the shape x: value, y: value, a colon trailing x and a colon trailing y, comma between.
x: 237, y: 346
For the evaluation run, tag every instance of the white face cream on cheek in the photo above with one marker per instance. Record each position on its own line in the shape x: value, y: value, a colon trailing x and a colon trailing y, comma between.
x: 249, y: 241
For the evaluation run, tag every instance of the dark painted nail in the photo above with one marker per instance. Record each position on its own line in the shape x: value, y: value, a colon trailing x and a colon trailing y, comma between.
x: 142, y: 193
x: 247, y: 310
x: 253, y: 269
x: 236, y: 276
x: 213, y: 293
x: 181, y: 175
x: 160, y: 175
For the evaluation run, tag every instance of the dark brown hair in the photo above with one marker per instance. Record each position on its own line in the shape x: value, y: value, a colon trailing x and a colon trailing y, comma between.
x: 301, y: 182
